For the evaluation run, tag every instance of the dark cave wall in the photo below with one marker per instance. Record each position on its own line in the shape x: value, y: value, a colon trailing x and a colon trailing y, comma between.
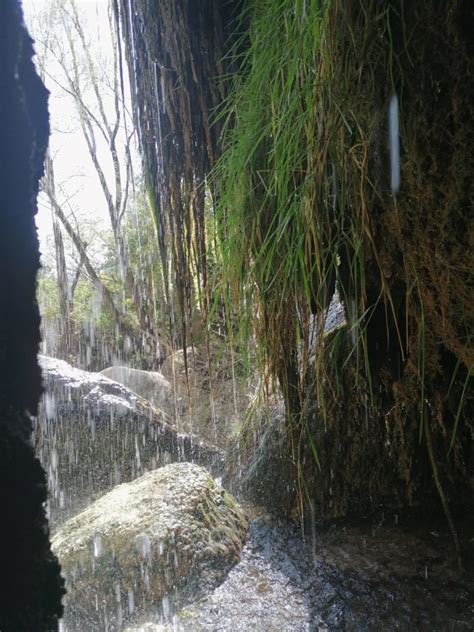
x: 30, y: 584
x: 404, y: 419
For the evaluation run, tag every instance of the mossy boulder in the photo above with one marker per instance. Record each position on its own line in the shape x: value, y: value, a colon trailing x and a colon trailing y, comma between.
x: 146, y: 545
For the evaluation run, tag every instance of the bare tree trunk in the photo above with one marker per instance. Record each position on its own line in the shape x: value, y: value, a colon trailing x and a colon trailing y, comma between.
x: 64, y: 344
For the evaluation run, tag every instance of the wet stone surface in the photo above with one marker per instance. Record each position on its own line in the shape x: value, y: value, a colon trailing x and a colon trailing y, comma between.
x: 391, y: 575
x: 281, y: 585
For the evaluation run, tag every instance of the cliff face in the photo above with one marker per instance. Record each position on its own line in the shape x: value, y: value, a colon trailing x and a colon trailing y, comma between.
x: 31, y: 586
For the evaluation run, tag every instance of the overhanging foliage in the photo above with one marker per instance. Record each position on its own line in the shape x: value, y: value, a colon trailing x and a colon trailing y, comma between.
x: 304, y: 203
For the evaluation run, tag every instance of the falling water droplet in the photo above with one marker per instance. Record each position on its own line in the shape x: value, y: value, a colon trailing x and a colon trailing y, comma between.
x: 97, y: 545
x: 144, y: 546
x: 146, y: 579
x: 49, y: 406
x: 131, y: 601
x: 165, y: 602
x: 119, y: 615
x: 394, y: 139
x: 137, y: 454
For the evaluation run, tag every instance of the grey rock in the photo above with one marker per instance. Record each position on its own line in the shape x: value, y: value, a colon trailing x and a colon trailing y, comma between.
x: 259, y: 465
x: 150, y: 385
x: 335, y: 316
x: 93, y: 433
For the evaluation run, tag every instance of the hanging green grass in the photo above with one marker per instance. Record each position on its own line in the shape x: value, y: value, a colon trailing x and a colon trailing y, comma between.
x: 306, y: 203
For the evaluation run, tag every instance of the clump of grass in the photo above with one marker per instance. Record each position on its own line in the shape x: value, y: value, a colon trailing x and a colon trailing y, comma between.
x: 290, y: 184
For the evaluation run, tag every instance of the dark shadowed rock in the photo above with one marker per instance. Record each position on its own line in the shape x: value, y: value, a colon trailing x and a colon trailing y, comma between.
x: 30, y: 583
x: 142, y: 543
x: 259, y: 464
x: 93, y: 433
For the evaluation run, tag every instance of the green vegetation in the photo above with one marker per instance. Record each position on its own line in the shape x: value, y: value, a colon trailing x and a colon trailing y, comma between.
x: 304, y: 205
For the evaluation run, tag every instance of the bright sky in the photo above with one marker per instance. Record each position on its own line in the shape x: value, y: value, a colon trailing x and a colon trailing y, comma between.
x: 73, y: 169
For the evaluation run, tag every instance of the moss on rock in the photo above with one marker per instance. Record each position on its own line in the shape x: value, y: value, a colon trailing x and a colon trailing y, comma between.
x: 172, y: 530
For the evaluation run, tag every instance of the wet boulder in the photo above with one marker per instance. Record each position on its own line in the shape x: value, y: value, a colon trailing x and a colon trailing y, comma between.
x: 93, y: 433
x: 148, y: 546
x: 150, y: 385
